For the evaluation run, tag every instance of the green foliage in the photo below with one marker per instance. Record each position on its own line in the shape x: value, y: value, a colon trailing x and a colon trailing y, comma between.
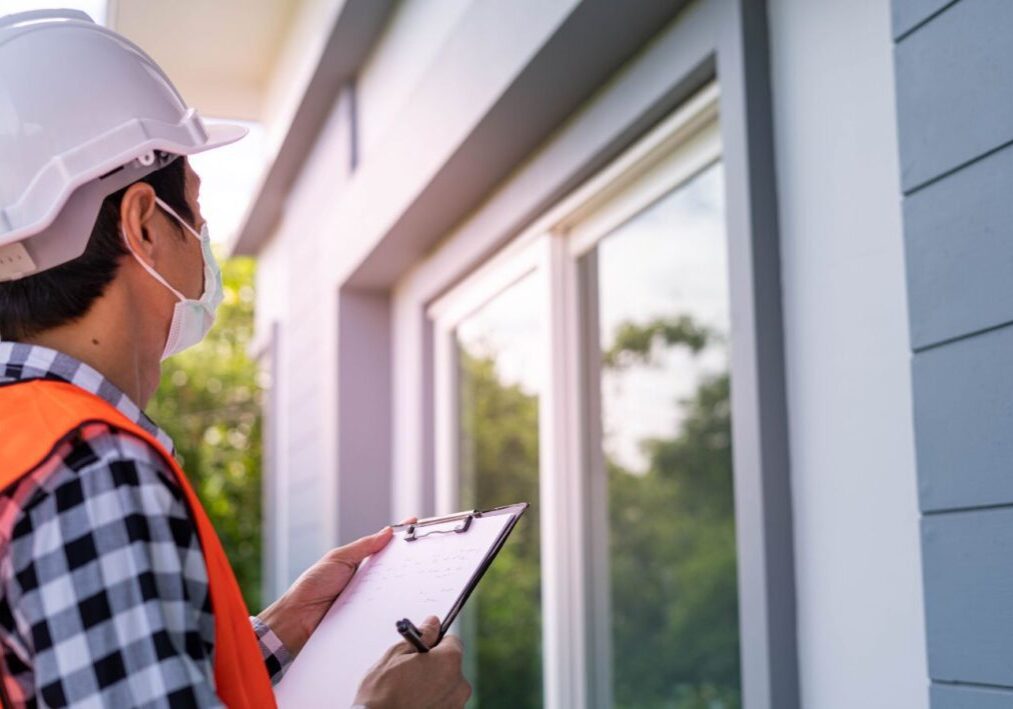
x: 674, y: 596
x: 637, y: 344
x: 209, y: 402
x: 672, y: 537
x: 499, y: 465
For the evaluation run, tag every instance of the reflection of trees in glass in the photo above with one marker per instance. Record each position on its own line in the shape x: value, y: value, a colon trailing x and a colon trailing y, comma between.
x: 636, y: 344
x: 674, y: 594
x: 672, y: 535
x: 209, y: 402
x: 499, y: 465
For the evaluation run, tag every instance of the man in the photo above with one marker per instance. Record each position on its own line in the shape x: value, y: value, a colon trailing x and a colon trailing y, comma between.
x: 114, y: 589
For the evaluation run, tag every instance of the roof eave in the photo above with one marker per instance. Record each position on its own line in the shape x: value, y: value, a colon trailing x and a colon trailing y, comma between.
x: 356, y: 28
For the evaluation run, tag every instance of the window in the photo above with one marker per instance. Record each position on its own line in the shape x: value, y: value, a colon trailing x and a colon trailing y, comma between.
x: 664, y: 336
x: 499, y: 377
x: 585, y: 368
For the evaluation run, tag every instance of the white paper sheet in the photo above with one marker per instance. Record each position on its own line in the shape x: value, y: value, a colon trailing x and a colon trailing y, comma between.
x: 405, y: 580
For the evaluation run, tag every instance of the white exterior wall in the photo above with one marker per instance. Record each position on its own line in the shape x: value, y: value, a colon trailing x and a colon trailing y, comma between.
x: 271, y: 311
x: 293, y: 292
x: 857, y: 554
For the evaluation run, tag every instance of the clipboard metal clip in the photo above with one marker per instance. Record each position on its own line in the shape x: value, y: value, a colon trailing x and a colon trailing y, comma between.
x: 413, y: 530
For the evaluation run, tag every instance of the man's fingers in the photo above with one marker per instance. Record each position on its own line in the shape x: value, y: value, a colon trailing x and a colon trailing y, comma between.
x: 358, y: 550
x: 406, y: 678
x: 453, y: 644
x: 430, y: 630
x: 401, y: 648
x: 450, y: 646
x: 461, y: 694
x: 408, y: 520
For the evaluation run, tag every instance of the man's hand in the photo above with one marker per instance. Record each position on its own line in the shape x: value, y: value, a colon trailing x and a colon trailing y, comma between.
x: 295, y: 615
x: 406, y: 678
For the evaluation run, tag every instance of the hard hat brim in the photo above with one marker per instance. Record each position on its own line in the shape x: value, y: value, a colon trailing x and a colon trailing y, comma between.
x: 59, y: 165
x: 220, y: 134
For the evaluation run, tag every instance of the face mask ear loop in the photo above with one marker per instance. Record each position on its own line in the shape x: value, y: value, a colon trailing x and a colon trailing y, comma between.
x: 154, y: 274
x: 179, y: 219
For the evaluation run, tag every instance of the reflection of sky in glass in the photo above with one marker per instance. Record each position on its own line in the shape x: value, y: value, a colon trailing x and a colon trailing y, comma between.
x: 667, y: 261
x: 506, y: 329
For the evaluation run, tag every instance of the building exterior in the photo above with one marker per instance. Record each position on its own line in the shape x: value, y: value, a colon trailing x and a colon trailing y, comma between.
x: 497, y: 239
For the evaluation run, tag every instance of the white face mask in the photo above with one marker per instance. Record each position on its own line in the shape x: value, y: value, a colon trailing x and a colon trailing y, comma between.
x: 191, y: 319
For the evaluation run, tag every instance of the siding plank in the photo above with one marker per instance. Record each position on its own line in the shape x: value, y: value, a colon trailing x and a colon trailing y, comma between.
x: 968, y: 563
x: 945, y: 696
x: 909, y: 13
x: 953, y: 97
x: 959, y: 243
x: 963, y: 414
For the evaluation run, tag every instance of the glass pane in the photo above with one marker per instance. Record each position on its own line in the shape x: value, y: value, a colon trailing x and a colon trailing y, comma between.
x: 499, y: 383
x: 663, y: 309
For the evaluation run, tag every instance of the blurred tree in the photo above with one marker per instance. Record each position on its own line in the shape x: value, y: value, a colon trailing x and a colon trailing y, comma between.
x: 499, y: 465
x: 635, y: 343
x: 672, y: 536
x: 674, y: 592
x: 209, y: 401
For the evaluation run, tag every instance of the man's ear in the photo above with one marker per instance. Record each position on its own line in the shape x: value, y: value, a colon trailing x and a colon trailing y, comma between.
x: 137, y: 214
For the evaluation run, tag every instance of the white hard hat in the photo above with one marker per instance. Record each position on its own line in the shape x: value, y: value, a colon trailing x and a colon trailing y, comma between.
x: 84, y: 112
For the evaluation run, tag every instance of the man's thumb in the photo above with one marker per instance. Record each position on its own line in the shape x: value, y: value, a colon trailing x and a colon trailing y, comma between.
x: 358, y: 550
x: 430, y: 630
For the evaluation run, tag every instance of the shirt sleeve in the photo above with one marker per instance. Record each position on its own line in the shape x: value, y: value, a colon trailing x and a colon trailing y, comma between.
x: 276, y: 656
x: 106, y: 589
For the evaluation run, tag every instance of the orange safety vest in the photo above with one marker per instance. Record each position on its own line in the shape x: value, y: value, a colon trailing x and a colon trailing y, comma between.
x: 35, y: 416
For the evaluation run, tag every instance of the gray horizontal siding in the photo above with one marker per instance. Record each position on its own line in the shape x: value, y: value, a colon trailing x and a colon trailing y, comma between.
x: 968, y: 566
x: 954, y: 101
x: 959, y: 243
x: 908, y: 14
x: 954, y: 78
x: 948, y: 696
x: 963, y: 412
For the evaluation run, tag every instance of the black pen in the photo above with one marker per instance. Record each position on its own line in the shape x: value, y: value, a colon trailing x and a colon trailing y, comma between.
x: 410, y: 633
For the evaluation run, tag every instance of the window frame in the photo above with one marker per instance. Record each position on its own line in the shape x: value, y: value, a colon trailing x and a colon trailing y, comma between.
x: 710, y: 38
x: 507, y: 268
x: 559, y: 249
x: 684, y: 145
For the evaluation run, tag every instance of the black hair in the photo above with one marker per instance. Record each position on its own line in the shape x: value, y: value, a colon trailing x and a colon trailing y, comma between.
x: 65, y: 293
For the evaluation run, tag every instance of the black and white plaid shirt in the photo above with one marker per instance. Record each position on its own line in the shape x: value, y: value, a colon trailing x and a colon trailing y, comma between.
x: 103, y: 587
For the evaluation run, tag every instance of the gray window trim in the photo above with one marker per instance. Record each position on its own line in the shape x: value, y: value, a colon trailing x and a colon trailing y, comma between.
x: 760, y: 414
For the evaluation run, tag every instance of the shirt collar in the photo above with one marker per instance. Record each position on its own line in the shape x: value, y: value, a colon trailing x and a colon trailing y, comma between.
x: 19, y: 361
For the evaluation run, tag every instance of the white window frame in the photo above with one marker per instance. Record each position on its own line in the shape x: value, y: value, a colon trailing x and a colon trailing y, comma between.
x: 502, y: 271
x: 573, y: 485
x: 679, y: 149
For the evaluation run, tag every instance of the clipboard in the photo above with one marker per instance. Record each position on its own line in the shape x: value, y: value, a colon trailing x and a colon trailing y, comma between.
x: 430, y: 567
